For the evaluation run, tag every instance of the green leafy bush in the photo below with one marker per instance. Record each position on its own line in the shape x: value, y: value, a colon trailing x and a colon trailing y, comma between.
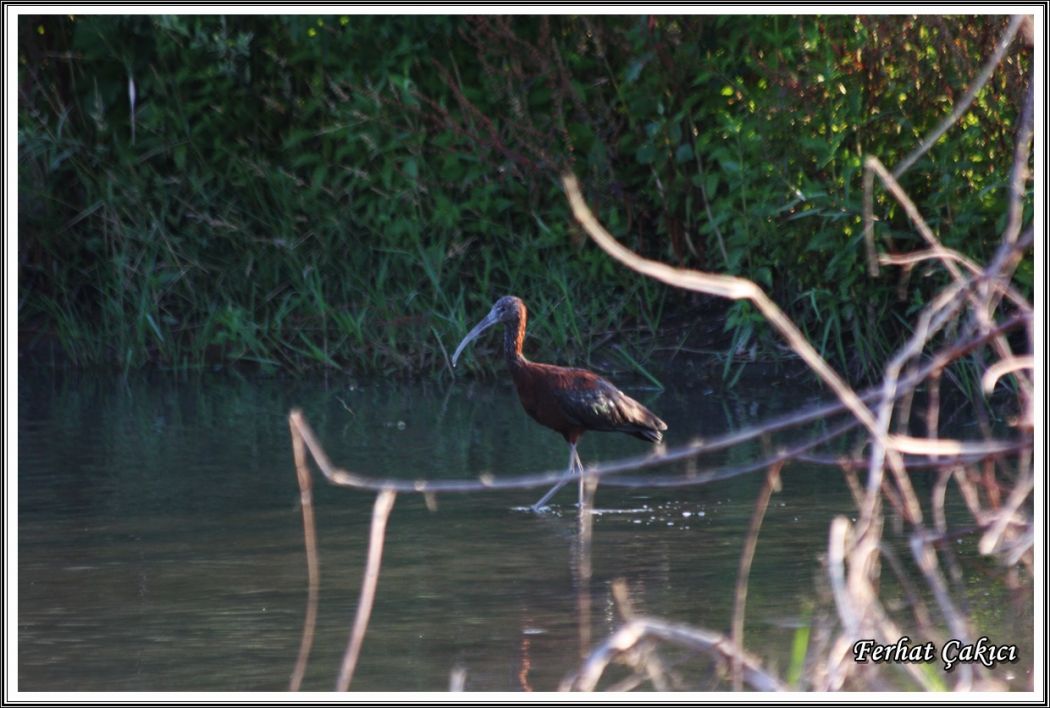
x: 354, y: 191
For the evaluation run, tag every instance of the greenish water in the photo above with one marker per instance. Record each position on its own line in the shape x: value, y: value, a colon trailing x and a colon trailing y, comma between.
x: 160, y: 539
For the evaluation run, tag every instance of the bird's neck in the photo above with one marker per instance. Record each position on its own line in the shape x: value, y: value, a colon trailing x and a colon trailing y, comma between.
x: 513, y: 341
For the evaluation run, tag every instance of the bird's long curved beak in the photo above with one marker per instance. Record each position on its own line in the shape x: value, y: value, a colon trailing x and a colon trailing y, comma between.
x: 490, y: 319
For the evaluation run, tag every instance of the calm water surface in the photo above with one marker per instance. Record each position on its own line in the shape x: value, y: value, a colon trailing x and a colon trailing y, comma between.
x: 160, y: 539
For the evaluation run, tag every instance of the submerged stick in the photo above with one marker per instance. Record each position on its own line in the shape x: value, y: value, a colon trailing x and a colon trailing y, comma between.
x: 838, y: 665
x: 380, y: 514
x: 313, y: 566
x: 647, y: 659
x: 635, y: 631
x: 588, y: 487
x: 747, y: 555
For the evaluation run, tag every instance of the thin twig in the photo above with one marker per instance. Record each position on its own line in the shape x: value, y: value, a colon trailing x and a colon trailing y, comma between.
x: 915, y: 601
x: 647, y: 655
x: 1019, y: 174
x: 959, y: 628
x: 1001, y: 368
x: 588, y: 486
x: 932, y: 318
x: 885, y: 447
x: 707, y: 203
x: 869, y: 224
x: 747, y: 555
x: 694, y: 477
x: 380, y: 514
x: 726, y: 286
x: 695, y: 638
x: 912, y: 464
x: 838, y: 536
x: 313, y: 565
x: 907, y: 259
x: 940, y: 522
x: 980, y: 305
x: 992, y: 538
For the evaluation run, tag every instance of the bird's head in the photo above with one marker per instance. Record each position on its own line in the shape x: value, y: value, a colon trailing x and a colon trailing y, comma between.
x: 507, y: 309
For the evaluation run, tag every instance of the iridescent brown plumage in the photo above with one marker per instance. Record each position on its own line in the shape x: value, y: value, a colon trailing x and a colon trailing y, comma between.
x: 569, y: 401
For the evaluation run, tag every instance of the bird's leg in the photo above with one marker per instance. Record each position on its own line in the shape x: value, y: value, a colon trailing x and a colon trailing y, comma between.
x: 579, y: 467
x: 574, y: 461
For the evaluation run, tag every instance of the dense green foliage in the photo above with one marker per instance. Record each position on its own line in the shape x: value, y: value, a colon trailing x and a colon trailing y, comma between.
x: 355, y: 191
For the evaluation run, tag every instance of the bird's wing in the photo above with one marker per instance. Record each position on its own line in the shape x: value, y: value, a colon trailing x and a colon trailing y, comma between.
x: 601, y: 406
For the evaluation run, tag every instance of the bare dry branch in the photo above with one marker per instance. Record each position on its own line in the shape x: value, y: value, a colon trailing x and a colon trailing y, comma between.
x: 992, y: 539
x: 641, y: 628
x: 980, y: 304
x: 1001, y: 368
x: 885, y: 447
x: 313, y: 566
x: 747, y: 555
x: 838, y: 536
x: 648, y: 658
x: 726, y: 286
x: 380, y: 514
x: 585, y: 523
x: 869, y: 224
x: 1019, y: 174
x: 957, y: 624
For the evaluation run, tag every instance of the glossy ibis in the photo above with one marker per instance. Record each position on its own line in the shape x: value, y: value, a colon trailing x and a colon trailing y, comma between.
x: 569, y: 401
